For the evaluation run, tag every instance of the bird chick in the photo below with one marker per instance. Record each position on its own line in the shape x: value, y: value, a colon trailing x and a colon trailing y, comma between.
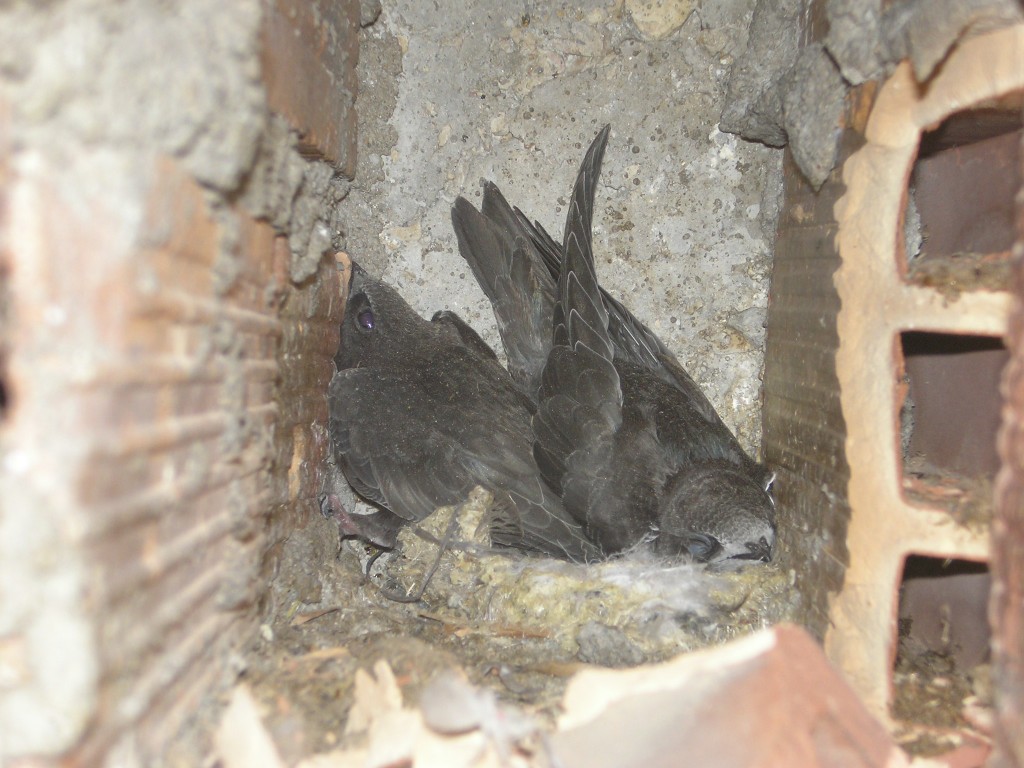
x: 622, y: 433
x: 421, y: 412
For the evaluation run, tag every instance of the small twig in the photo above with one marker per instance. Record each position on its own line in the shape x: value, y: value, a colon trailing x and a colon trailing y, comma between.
x: 321, y: 654
x: 460, y: 628
x: 442, y: 547
x: 301, y: 618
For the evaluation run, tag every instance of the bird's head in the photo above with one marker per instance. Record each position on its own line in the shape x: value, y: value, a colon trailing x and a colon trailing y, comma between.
x: 376, y: 319
x: 719, y: 513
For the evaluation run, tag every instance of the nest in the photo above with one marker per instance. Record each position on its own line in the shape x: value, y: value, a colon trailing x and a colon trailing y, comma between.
x: 623, y: 611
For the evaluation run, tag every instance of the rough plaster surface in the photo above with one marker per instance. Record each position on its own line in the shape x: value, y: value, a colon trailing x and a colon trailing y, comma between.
x: 753, y: 105
x: 59, y: 72
x: 68, y: 91
x: 514, y: 94
x: 784, y: 91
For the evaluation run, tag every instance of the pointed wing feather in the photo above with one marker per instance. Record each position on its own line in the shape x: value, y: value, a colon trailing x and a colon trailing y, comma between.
x: 514, y: 278
x: 579, y: 312
x: 580, y: 406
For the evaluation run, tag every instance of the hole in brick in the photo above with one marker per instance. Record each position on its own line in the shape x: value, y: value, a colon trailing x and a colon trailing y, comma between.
x: 949, y: 419
x: 959, y: 220
x: 5, y: 395
x: 5, y: 346
x: 944, y: 637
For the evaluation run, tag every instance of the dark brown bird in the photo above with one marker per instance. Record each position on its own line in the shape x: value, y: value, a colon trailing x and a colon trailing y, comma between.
x: 421, y: 412
x: 622, y: 433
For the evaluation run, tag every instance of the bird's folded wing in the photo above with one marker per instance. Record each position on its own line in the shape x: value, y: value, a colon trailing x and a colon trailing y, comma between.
x: 407, y: 449
x: 513, y: 277
x: 389, y: 444
x: 580, y: 397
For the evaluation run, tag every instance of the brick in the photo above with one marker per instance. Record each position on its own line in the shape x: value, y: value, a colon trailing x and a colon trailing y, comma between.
x: 311, y: 320
x: 171, y: 492
x: 309, y: 56
x: 1006, y: 604
x: 804, y: 429
x: 771, y: 699
x: 877, y: 304
x: 191, y: 437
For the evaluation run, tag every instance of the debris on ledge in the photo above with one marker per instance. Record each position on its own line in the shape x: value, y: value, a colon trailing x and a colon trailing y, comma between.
x: 773, y: 693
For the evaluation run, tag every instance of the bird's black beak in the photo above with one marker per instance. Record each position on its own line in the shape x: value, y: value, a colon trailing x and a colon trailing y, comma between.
x: 760, y: 551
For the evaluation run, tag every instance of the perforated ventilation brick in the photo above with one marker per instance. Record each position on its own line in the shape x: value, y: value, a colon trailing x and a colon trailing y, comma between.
x: 924, y: 234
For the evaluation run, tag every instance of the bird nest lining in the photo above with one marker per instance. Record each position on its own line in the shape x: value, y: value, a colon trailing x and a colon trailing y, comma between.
x: 519, y: 627
x: 626, y: 610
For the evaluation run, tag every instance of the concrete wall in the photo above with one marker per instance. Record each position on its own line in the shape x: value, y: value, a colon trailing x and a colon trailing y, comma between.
x: 460, y: 92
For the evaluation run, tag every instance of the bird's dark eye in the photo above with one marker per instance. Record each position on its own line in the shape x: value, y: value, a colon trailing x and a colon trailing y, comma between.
x: 702, y: 547
x: 366, y: 319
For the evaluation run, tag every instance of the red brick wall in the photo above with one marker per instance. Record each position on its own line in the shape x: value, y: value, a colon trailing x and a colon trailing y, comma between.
x: 309, y: 59
x: 1006, y: 605
x: 192, y: 439
x: 804, y: 430
x: 167, y: 419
